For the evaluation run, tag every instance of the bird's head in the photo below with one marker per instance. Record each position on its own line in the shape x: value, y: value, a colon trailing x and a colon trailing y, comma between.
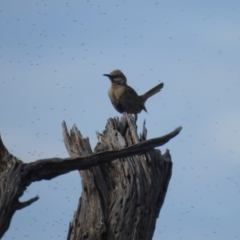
x: 117, y: 77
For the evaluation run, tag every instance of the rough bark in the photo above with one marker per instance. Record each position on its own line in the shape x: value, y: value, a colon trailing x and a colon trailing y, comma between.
x: 11, y: 188
x: 120, y: 200
x: 16, y: 176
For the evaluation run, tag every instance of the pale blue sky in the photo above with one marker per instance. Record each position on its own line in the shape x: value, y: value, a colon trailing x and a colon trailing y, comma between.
x: 53, y: 53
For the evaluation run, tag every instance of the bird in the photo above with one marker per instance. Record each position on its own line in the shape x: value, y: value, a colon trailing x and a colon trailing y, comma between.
x: 124, y: 98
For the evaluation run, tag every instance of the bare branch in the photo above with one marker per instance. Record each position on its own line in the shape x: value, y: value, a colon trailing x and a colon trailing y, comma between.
x: 21, y: 205
x: 53, y: 167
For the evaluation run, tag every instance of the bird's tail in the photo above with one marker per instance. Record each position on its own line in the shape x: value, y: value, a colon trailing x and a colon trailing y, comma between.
x: 152, y: 91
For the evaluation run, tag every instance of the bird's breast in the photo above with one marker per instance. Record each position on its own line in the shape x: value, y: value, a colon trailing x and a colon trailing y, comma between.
x: 115, y: 94
x: 116, y: 91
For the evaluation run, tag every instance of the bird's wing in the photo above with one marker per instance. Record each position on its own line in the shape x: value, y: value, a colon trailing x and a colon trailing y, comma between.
x: 130, y: 101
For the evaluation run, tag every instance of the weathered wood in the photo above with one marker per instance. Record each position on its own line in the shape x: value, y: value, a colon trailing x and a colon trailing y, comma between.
x: 16, y: 176
x: 11, y: 188
x: 120, y: 200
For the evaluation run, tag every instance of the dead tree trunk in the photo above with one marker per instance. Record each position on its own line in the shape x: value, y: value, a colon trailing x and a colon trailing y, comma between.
x: 121, y: 199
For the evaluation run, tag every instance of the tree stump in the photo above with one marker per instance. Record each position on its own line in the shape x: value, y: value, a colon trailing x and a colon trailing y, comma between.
x: 122, y: 199
x: 124, y: 181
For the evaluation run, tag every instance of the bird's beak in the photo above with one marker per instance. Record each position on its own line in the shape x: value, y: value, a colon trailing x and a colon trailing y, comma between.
x: 107, y: 75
